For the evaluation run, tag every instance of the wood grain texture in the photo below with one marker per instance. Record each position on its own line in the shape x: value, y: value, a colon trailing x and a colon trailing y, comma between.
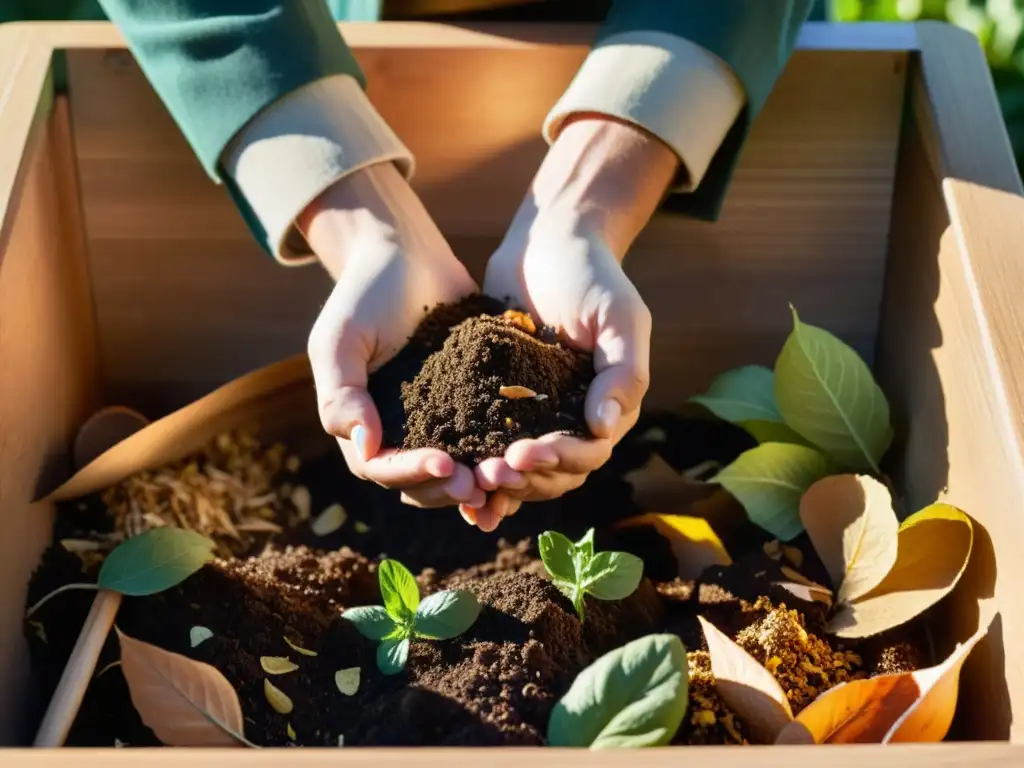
x: 806, y: 220
x: 49, y: 380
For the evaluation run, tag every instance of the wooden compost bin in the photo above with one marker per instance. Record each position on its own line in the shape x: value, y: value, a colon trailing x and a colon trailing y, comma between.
x: 877, y: 193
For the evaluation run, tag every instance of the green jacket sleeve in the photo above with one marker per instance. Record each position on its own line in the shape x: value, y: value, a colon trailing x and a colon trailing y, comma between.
x: 754, y: 37
x: 218, y: 63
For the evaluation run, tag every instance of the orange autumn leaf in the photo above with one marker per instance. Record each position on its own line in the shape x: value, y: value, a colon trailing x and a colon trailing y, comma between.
x: 693, y: 541
x: 911, y: 706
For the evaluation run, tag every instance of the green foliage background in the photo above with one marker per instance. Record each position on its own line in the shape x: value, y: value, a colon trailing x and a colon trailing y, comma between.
x: 998, y: 25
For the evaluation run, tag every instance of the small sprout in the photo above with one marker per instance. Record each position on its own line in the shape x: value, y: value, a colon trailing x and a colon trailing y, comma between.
x: 292, y: 464
x: 40, y: 630
x: 302, y: 501
x: 361, y: 527
x: 328, y: 521
x: 198, y: 635
x: 291, y: 732
x: 347, y: 680
x: 298, y: 649
x: 520, y: 320
x: 516, y: 392
x: 403, y: 616
x: 576, y: 570
x: 277, y: 665
x: 277, y: 698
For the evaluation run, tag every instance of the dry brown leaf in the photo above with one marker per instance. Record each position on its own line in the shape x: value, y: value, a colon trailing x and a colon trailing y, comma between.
x: 186, y: 703
x: 328, y: 521
x: 277, y: 665
x: 299, y: 649
x: 853, y: 527
x: 659, y: 488
x: 811, y: 593
x: 908, y: 707
x: 933, y: 547
x: 347, y: 680
x: 746, y: 687
x: 277, y: 698
x: 694, y: 543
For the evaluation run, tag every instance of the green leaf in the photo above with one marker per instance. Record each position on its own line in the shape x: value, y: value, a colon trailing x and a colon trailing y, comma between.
x: 742, y: 394
x: 399, y: 590
x: 827, y: 394
x: 634, y: 696
x: 372, y: 621
x: 771, y: 432
x: 769, y: 481
x: 613, y: 575
x: 557, y: 553
x: 446, y: 614
x: 585, y: 546
x: 154, y: 561
x: 392, y: 655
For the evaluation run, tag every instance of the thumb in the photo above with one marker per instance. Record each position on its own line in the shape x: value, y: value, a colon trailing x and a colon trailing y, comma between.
x: 346, y: 408
x: 622, y: 361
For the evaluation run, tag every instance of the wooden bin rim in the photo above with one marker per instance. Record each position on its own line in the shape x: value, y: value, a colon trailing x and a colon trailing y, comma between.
x: 984, y: 197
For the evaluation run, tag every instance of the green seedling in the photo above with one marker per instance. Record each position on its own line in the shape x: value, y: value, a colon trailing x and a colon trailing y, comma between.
x: 576, y: 570
x: 403, y: 616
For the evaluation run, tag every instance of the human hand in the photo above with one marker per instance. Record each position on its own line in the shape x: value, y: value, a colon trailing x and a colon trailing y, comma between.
x: 391, y: 266
x: 561, y: 261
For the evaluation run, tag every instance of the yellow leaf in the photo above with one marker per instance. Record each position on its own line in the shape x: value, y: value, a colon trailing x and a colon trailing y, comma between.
x: 911, y: 706
x: 290, y: 731
x: 746, y: 687
x: 328, y: 521
x: 658, y: 487
x: 693, y: 541
x: 853, y: 527
x: 298, y: 649
x: 277, y: 665
x: 185, y: 703
x: 347, y: 680
x: 933, y: 547
x: 277, y: 698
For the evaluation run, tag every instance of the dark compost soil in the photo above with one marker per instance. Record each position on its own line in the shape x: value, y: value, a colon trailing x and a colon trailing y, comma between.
x: 494, y: 685
x: 444, y: 389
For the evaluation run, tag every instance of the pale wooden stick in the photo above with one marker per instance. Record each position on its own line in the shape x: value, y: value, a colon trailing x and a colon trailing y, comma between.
x: 78, y: 672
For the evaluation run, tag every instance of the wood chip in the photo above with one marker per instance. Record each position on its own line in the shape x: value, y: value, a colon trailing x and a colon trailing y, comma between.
x: 299, y: 649
x: 277, y: 698
x: 516, y: 392
x: 277, y: 665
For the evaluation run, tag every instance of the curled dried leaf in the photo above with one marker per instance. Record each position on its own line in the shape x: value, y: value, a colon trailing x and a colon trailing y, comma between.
x: 516, y: 392
x: 933, y: 548
x: 746, y: 687
x: 277, y: 665
x: 658, y: 487
x: 277, y: 698
x: 198, y: 635
x: 347, y: 680
x: 853, y: 527
x: 908, y: 707
x: 694, y: 543
x: 299, y: 649
x: 328, y: 521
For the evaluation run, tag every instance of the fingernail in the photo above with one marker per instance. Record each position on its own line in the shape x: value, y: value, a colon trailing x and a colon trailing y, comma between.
x: 468, y: 514
x: 609, y: 413
x: 361, y: 438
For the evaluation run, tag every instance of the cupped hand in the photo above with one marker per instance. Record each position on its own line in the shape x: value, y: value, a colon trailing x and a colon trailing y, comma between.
x: 561, y: 262
x: 392, y: 266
